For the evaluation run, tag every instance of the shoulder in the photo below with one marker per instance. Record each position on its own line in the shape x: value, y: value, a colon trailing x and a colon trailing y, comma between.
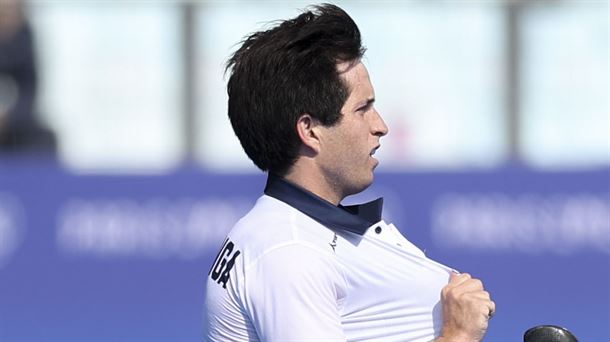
x: 274, y: 225
x: 277, y: 252
x: 277, y: 242
x: 274, y: 241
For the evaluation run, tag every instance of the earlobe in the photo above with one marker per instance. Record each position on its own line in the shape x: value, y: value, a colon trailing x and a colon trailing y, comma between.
x: 307, y: 129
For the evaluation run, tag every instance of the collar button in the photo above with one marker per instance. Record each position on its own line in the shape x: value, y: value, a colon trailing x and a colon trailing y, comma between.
x: 378, y: 230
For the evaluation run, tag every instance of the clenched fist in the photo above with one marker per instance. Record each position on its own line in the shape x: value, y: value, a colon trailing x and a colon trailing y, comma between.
x: 467, y: 308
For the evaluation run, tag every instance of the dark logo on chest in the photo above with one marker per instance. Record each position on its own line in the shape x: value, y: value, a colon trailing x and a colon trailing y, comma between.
x: 333, y: 244
x: 225, y: 260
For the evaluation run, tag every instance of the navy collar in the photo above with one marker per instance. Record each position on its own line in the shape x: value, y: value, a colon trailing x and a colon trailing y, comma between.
x: 354, y: 218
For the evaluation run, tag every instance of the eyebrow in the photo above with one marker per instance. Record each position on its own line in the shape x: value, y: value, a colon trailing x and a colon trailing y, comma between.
x: 365, y: 104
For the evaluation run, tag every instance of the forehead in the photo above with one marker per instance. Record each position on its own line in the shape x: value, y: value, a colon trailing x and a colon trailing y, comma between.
x: 357, y: 79
x: 353, y: 73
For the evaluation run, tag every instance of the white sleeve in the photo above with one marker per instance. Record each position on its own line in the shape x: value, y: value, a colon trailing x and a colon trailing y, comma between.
x: 294, y: 293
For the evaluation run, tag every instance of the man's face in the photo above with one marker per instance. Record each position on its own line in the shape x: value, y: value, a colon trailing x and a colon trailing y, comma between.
x: 347, y: 148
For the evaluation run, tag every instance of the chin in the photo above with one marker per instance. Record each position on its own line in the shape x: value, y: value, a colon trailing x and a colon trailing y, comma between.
x: 362, y: 185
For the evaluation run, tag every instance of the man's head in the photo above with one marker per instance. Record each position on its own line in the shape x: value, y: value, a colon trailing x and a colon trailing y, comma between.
x: 341, y: 155
x: 11, y: 18
x: 289, y: 70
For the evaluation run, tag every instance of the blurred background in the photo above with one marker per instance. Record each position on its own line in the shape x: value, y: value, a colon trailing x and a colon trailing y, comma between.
x: 120, y: 174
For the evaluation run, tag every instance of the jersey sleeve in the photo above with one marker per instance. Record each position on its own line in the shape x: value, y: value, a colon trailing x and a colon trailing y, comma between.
x: 294, y: 293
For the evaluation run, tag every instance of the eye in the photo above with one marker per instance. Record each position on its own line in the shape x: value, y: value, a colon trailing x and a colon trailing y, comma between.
x: 364, y: 108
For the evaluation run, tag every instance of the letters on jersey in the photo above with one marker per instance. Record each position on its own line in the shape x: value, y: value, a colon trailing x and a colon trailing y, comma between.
x: 225, y: 260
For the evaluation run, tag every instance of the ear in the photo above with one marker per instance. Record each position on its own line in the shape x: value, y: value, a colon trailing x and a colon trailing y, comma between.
x: 307, y: 129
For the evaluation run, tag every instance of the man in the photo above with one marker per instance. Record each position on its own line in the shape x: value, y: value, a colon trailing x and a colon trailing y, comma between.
x: 20, y: 130
x: 300, y: 266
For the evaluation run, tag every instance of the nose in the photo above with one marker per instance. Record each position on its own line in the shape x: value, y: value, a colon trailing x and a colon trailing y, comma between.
x: 379, y: 128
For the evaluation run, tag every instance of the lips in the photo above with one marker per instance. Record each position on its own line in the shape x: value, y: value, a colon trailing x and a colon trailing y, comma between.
x: 374, y: 150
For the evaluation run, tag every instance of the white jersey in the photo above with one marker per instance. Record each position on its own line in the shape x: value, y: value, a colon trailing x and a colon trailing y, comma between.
x: 297, y: 268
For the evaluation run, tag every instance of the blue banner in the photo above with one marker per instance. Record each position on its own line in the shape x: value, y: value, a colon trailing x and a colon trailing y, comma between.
x: 124, y: 258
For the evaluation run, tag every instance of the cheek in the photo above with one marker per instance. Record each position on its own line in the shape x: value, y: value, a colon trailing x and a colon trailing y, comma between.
x: 347, y: 147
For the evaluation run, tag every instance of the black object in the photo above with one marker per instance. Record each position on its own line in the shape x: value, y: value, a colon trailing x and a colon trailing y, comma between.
x: 548, y: 333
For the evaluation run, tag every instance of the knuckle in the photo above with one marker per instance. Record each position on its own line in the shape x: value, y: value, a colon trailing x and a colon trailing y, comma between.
x: 447, y: 292
x: 452, y: 295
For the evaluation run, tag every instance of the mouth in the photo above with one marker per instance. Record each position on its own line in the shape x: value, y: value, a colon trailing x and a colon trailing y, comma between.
x: 374, y: 150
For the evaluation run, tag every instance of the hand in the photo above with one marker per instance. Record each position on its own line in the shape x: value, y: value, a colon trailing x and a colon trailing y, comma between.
x: 467, y: 308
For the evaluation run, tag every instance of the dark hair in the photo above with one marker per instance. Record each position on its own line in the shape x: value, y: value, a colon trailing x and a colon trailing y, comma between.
x: 281, y: 73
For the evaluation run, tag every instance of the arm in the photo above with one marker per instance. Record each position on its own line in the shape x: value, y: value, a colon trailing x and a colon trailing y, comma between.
x: 467, y: 308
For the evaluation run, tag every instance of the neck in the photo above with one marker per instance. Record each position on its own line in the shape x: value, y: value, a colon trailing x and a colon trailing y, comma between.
x: 309, y: 177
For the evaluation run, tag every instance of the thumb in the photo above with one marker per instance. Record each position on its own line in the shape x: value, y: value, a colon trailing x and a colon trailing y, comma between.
x: 458, y: 278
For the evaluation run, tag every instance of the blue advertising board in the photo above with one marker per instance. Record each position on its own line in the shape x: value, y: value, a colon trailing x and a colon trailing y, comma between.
x: 125, y: 257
